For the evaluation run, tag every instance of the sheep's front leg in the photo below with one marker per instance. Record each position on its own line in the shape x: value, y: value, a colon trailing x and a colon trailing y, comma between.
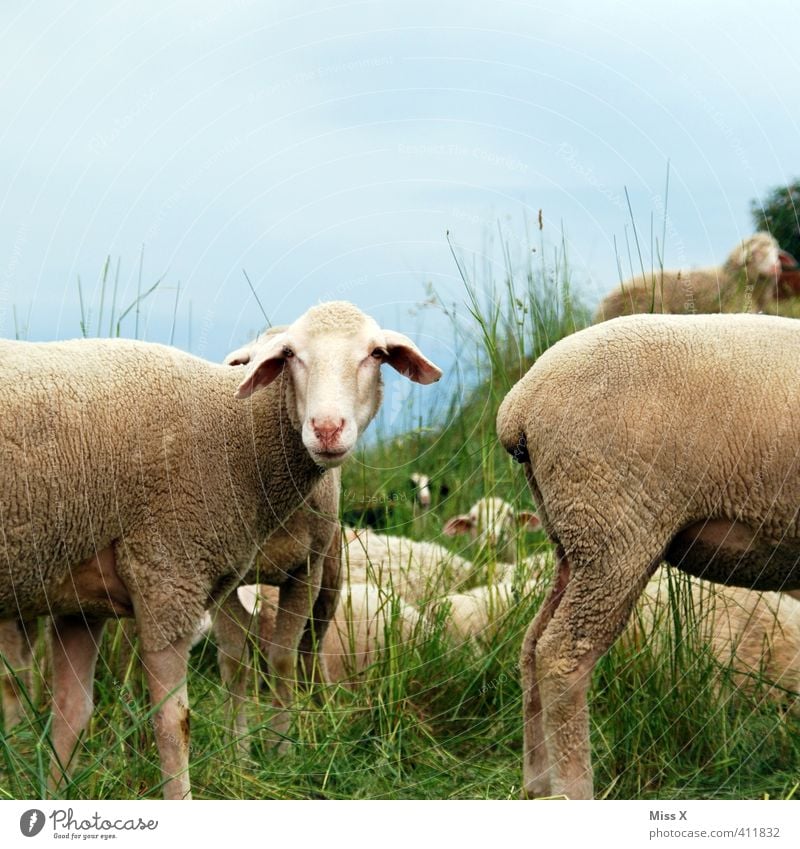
x: 166, y: 678
x: 312, y: 658
x: 16, y: 669
x: 295, y: 602
x: 536, y: 769
x: 74, y: 643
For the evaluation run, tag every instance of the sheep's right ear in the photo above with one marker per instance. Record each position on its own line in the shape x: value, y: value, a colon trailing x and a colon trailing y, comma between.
x: 242, y: 356
x: 239, y: 357
x: 266, y: 363
x: 457, y: 525
x: 529, y: 520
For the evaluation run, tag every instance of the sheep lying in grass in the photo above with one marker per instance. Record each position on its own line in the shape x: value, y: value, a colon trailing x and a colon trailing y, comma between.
x: 138, y: 480
x: 643, y: 439
x: 364, y: 618
x: 493, y: 523
x: 754, y: 637
x: 746, y: 282
x: 415, y: 570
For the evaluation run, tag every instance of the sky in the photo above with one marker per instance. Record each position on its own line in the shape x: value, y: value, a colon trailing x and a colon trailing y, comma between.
x: 328, y: 148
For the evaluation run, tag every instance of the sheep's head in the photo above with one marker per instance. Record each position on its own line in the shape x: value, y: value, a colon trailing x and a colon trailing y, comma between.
x: 759, y: 256
x: 421, y: 484
x: 491, y: 520
x: 332, y: 354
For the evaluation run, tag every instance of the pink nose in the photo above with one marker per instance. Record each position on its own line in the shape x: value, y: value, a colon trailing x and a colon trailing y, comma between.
x: 327, y: 431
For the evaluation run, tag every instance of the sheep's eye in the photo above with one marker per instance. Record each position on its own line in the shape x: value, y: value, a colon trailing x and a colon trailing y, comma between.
x: 380, y: 354
x: 288, y: 353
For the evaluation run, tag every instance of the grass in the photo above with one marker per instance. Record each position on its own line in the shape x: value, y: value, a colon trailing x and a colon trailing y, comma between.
x: 434, y: 719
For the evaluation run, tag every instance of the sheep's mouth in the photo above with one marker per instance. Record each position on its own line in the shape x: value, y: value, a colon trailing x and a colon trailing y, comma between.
x: 331, y: 457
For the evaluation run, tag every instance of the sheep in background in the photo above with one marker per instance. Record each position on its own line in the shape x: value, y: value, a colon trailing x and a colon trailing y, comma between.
x: 746, y: 282
x: 493, y: 523
x: 754, y: 635
x: 643, y: 439
x: 356, y: 636
x: 166, y: 474
x: 415, y: 570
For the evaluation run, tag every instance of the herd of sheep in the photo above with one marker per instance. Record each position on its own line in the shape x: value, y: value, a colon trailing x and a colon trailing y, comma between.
x: 139, y: 481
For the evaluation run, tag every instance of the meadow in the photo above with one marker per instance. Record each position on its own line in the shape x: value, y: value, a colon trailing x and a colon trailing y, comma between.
x: 434, y: 719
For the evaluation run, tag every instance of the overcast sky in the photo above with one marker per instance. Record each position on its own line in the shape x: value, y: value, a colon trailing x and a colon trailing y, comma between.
x: 327, y: 148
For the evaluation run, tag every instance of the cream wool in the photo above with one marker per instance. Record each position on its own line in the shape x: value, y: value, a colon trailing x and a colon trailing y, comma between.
x: 648, y: 438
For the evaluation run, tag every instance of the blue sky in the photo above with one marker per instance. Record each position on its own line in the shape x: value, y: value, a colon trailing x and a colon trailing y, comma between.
x: 327, y: 148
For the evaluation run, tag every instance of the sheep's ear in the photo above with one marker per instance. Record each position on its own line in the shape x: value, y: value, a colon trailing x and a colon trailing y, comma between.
x: 266, y: 363
x: 529, y: 520
x: 242, y: 356
x: 457, y: 525
x: 406, y: 357
x: 788, y: 262
x: 239, y: 357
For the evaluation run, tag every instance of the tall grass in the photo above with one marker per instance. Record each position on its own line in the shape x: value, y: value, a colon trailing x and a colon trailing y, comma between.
x: 435, y: 718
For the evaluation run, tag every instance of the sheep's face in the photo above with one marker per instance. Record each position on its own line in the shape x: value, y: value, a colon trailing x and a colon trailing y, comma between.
x: 491, y: 520
x: 759, y: 256
x: 333, y: 356
x: 422, y: 488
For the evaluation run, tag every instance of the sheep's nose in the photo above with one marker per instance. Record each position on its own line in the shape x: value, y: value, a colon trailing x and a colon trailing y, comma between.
x: 327, y: 430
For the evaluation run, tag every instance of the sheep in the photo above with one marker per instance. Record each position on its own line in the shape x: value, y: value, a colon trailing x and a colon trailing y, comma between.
x: 647, y: 438
x: 473, y: 611
x: 16, y: 669
x: 754, y: 635
x: 493, y: 522
x: 746, y: 282
x: 138, y: 480
x: 353, y: 641
x: 304, y: 555
x: 417, y: 570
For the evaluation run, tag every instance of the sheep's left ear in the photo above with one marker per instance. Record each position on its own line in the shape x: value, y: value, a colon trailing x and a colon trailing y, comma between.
x: 457, y: 525
x: 529, y: 520
x: 266, y: 363
x: 406, y: 357
x: 788, y: 262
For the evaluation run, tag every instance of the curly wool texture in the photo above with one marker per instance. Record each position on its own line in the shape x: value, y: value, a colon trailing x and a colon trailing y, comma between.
x: 144, y: 449
x: 746, y: 282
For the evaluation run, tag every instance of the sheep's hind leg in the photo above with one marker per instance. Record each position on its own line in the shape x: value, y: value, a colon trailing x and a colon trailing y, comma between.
x: 16, y: 669
x: 536, y: 777
x: 74, y: 643
x: 593, y: 610
x: 166, y: 678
